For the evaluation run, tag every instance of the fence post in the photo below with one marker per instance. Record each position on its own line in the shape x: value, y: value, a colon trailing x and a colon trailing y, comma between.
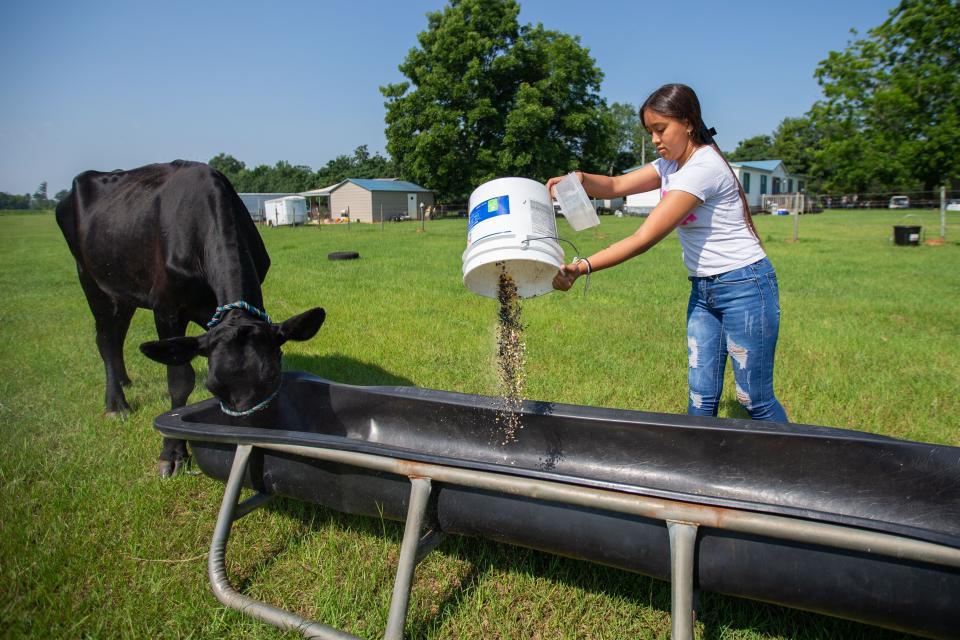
x: 943, y: 212
x: 381, y: 216
x: 796, y: 216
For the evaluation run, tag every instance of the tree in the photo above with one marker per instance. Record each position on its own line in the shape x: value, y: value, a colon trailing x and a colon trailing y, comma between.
x: 890, y: 117
x: 755, y: 148
x: 486, y: 97
x: 360, y: 165
x: 631, y: 144
x: 794, y: 142
x: 63, y: 193
x: 39, y: 199
x: 229, y: 166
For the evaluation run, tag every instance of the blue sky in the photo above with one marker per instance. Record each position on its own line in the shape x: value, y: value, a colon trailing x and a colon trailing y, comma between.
x: 117, y: 84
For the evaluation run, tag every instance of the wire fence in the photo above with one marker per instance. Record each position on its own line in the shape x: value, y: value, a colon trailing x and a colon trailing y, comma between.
x: 890, y: 199
x: 949, y: 199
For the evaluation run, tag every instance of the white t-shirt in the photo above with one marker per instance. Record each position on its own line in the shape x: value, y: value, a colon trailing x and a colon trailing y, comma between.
x: 715, y: 237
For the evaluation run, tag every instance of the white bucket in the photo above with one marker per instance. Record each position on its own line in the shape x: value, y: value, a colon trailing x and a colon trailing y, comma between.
x: 512, y: 231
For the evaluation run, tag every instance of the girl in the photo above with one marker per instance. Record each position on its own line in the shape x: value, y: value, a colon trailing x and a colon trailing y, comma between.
x: 734, y: 306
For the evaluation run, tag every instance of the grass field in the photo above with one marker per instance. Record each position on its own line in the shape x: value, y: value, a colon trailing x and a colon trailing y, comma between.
x: 93, y: 545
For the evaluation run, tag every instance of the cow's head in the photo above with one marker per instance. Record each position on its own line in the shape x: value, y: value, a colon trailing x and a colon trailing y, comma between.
x: 243, y: 354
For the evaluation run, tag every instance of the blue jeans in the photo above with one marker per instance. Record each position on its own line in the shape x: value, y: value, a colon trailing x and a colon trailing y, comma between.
x: 736, y: 313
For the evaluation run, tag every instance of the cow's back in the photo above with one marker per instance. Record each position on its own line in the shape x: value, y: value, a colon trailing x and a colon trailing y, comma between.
x: 156, y: 235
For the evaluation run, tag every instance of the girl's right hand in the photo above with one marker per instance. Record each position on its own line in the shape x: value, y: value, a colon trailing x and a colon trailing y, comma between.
x: 555, y: 180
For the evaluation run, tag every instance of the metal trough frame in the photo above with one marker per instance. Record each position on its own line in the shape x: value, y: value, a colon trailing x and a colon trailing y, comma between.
x: 682, y: 520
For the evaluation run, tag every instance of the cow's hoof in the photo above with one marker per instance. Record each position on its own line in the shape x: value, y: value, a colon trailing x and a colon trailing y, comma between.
x: 173, y: 468
x: 120, y: 415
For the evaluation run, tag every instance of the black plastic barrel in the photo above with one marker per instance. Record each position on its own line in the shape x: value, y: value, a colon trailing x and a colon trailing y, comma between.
x: 906, y: 235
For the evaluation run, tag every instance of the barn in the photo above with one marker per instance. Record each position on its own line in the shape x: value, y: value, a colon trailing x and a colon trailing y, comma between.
x: 367, y: 199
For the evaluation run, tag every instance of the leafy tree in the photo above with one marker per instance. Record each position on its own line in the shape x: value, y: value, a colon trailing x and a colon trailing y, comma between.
x: 39, y: 199
x: 229, y: 166
x: 631, y: 144
x: 755, y: 148
x: 487, y: 97
x: 360, y: 165
x: 794, y: 142
x: 890, y: 117
x: 63, y: 193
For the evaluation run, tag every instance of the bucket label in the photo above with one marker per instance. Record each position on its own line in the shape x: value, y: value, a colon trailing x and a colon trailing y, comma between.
x: 499, y: 206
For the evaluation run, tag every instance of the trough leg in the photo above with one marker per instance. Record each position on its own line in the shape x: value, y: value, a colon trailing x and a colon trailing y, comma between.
x: 419, y: 495
x: 216, y: 564
x: 683, y: 537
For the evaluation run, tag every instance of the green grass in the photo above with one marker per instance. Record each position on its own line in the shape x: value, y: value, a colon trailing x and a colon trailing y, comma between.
x: 93, y: 545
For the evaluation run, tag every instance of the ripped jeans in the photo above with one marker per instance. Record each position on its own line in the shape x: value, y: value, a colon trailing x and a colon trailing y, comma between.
x: 736, y: 313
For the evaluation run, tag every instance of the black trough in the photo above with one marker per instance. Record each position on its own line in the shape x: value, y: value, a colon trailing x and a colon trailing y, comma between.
x: 838, y: 522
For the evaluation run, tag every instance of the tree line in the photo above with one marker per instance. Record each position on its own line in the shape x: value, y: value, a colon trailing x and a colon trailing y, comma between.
x: 38, y: 200
x: 890, y: 116
x: 284, y: 177
x: 485, y: 97
x: 488, y: 97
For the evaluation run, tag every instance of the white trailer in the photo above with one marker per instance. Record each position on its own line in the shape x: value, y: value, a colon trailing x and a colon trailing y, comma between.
x: 254, y: 203
x: 285, y: 211
x: 641, y: 204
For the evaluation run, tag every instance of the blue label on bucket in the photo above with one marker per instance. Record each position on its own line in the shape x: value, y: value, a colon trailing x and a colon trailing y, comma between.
x: 499, y: 206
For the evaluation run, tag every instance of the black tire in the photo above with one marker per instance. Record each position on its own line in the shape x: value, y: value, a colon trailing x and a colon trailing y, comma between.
x: 343, y: 255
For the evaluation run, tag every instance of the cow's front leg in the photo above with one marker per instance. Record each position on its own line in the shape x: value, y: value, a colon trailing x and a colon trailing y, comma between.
x: 181, y: 380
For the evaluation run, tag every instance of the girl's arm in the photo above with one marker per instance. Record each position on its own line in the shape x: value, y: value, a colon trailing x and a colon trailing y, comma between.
x: 643, y: 179
x: 673, y: 209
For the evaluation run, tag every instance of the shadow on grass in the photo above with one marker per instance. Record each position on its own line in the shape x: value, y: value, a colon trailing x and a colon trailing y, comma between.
x: 340, y: 368
x: 718, y: 615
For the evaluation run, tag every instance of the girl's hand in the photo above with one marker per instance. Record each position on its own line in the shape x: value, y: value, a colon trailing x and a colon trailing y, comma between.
x: 555, y: 180
x: 565, y: 278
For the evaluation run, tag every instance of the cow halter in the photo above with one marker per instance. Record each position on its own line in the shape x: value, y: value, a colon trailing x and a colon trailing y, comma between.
x: 239, y: 304
x: 214, y: 321
x: 239, y: 414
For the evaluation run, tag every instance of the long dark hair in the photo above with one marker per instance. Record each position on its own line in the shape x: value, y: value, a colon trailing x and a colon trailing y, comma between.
x: 680, y: 101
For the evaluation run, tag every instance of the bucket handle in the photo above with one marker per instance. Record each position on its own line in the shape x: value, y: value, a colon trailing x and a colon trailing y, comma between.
x: 526, y: 243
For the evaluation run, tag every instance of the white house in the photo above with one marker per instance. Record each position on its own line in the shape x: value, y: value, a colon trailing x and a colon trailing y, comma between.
x: 758, y: 177
x: 765, y: 177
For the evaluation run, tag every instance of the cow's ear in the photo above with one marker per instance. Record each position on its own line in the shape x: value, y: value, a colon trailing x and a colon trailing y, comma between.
x: 303, y: 326
x: 173, y: 351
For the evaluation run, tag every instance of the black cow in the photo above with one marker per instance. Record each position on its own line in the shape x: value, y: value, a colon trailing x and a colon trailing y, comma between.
x: 177, y: 239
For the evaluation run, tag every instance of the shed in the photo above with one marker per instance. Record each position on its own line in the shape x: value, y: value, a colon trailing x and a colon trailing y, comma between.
x: 365, y: 199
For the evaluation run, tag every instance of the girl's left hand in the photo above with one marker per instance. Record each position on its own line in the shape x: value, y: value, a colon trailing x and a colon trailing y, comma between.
x: 565, y: 278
